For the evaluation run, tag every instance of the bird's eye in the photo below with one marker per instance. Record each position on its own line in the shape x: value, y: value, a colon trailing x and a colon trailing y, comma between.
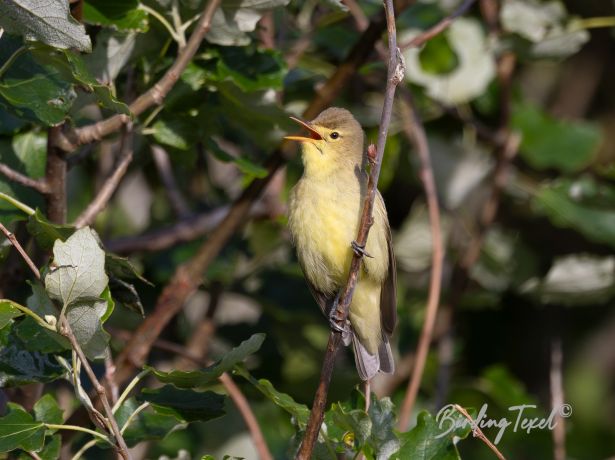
x: 335, y: 135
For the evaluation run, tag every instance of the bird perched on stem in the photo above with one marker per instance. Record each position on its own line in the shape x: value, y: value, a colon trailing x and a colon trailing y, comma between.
x: 324, y: 214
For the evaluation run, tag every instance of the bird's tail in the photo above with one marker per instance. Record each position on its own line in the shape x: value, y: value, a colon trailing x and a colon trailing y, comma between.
x: 368, y: 365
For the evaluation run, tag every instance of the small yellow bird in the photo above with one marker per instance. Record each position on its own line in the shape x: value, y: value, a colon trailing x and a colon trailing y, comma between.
x: 324, y: 213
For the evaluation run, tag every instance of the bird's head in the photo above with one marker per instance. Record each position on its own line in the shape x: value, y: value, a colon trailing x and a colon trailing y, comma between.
x: 335, y: 141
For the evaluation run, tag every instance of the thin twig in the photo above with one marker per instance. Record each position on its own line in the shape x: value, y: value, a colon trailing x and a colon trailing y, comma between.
x: 478, y: 433
x: 110, y: 185
x: 416, y: 132
x: 165, y: 171
x: 394, y: 77
x: 55, y: 177
x: 557, y: 399
x: 40, y: 185
x: 66, y: 331
x: 444, y: 24
x: 9, y: 235
x: 155, y: 95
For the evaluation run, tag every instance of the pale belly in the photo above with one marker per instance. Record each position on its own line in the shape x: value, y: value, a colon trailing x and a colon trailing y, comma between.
x: 323, y: 229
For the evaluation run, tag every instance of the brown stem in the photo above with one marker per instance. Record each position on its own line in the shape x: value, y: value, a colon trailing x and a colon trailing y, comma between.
x: 55, y: 177
x: 478, y: 433
x: 557, y: 399
x: 40, y: 185
x: 110, y: 185
x: 416, y: 132
x: 394, y: 76
x: 439, y: 27
x: 154, y: 96
x: 66, y: 331
x: 21, y: 251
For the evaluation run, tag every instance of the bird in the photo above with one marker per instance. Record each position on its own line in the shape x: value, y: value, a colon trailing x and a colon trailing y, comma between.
x: 325, y: 208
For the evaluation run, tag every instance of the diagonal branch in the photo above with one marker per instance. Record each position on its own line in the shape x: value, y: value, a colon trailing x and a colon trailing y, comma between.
x: 394, y: 77
x: 154, y: 96
x: 113, y: 181
x: 40, y: 185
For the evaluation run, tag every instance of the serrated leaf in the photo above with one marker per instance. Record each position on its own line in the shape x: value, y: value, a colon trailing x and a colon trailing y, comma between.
x: 183, y: 404
x: 18, y: 430
x: 49, y: 22
x: 432, y: 438
x: 8, y: 312
x: 121, y: 14
x: 245, y: 165
x: 147, y: 425
x: 46, y: 410
x: 191, y: 379
x: 46, y: 233
x: 550, y: 143
x: 78, y: 270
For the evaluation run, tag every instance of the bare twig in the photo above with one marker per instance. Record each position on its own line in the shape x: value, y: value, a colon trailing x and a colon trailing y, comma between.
x: 40, y: 185
x: 154, y: 96
x: 441, y: 26
x: 416, y: 132
x: 557, y: 399
x: 21, y: 251
x: 478, y: 433
x: 165, y: 170
x: 66, y: 331
x: 110, y: 185
x: 394, y: 77
x: 55, y: 177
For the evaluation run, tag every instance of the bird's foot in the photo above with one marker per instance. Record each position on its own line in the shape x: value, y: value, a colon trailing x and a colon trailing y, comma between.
x: 360, y: 250
x: 336, y: 317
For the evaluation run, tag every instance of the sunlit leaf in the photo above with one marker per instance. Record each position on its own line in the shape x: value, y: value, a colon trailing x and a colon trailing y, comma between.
x: 121, y: 14
x: 19, y: 430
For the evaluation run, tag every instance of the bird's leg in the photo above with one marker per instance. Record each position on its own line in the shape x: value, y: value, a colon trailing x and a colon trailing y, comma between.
x: 335, y: 317
x: 360, y: 250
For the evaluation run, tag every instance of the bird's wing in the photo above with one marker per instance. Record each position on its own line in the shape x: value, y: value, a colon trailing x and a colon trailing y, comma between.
x: 323, y: 300
x: 388, y: 293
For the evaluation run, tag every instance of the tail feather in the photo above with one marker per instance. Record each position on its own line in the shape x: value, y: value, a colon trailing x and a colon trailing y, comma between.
x: 368, y: 365
x: 387, y: 364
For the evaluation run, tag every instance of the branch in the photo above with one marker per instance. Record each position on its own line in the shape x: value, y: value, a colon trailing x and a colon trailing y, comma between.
x: 66, y: 331
x: 55, y: 176
x: 394, y: 77
x: 154, y: 96
x: 441, y: 26
x: 416, y: 132
x: 478, y: 433
x: 21, y: 251
x: 110, y: 185
x: 40, y: 185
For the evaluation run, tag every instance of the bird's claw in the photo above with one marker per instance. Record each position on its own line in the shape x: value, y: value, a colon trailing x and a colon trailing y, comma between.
x: 360, y: 250
x: 336, y: 317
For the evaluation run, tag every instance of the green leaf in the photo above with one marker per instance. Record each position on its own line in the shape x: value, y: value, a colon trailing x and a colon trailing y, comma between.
x: 382, y: 439
x: 19, y: 430
x: 122, y: 267
x: 245, y: 165
x: 8, y: 312
x: 111, y: 53
x: 86, y: 320
x: 147, y: 425
x: 126, y: 294
x: 567, y: 204
x: 432, y: 438
x: 355, y: 421
x: 251, y: 69
x: 121, y: 14
x: 33, y: 91
x: 547, y: 142
x: 46, y: 233
x: 300, y: 412
x: 183, y: 404
x: 191, y: 379
x: 180, y: 133
x: 232, y: 21
x: 46, y: 410
x: 49, y: 22
x: 19, y: 366
x: 78, y: 270
x: 51, y: 451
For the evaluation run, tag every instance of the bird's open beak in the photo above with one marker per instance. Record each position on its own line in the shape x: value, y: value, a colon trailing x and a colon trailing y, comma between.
x: 314, y: 135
